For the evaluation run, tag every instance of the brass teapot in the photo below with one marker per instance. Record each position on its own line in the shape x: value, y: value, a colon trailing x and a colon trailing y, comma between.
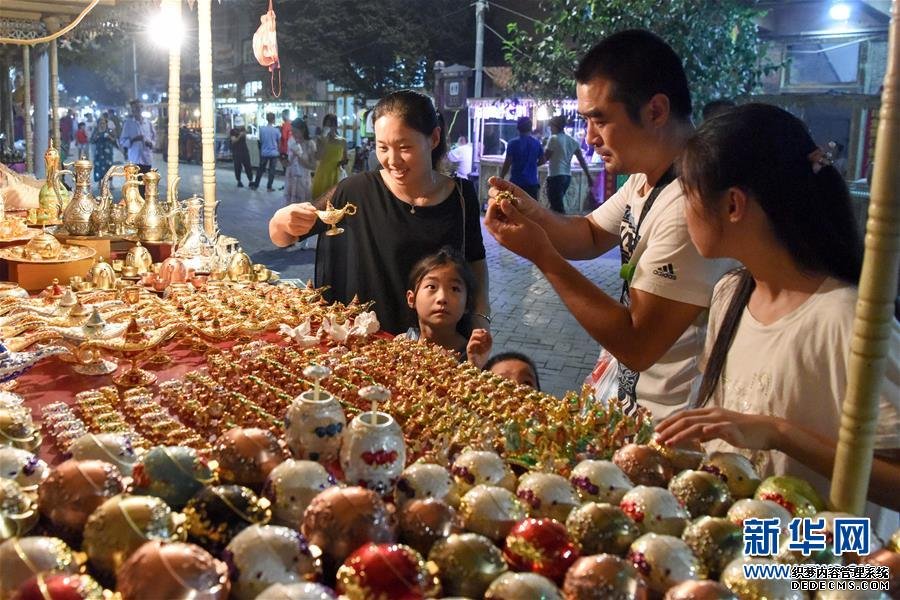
x: 139, y: 257
x: 77, y: 216
x: 152, y: 224
x: 102, y: 275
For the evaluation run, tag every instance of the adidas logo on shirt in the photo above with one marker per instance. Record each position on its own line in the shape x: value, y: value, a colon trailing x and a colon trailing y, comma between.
x: 667, y: 271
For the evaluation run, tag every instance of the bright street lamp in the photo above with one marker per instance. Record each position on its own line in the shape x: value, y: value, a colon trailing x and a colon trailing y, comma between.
x: 166, y: 29
x: 839, y: 11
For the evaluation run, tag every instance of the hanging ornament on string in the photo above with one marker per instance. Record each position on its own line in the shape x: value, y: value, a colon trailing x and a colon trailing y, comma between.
x: 265, y: 47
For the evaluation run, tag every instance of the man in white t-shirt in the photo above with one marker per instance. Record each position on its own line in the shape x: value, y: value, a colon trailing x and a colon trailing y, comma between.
x: 559, y: 151
x: 632, y: 90
x: 461, y: 155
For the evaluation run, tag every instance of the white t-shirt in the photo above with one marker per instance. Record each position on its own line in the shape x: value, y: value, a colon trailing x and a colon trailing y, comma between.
x: 667, y: 265
x: 796, y: 369
x: 562, y: 147
x: 462, y: 156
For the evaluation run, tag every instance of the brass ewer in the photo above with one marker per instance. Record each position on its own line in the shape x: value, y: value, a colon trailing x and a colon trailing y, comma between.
x: 77, y: 216
x: 131, y: 194
x: 332, y: 216
x: 152, y: 225
x: 49, y: 204
x: 101, y: 218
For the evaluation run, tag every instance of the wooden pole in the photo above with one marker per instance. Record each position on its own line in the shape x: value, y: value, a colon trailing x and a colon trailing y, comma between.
x: 875, y: 307
x: 26, y: 81
x: 54, y: 94
x: 174, y: 99
x: 207, y: 118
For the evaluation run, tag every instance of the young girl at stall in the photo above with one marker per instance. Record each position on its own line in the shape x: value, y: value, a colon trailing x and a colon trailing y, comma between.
x: 442, y: 293
x: 760, y: 191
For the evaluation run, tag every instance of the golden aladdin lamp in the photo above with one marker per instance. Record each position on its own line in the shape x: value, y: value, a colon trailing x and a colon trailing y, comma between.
x: 332, y: 216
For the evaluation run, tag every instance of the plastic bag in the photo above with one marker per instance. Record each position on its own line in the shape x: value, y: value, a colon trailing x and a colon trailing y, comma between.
x: 604, y: 378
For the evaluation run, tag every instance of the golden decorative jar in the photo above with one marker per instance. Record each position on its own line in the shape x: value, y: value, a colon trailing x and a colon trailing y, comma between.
x: 43, y: 245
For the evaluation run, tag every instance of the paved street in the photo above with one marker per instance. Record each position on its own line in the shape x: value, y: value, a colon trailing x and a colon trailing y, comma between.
x: 528, y: 315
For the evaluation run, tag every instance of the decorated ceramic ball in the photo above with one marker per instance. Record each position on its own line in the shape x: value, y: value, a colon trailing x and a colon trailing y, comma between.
x: 655, y: 510
x: 701, y: 493
x: 664, y: 561
x: 262, y: 555
x: 481, y: 467
x: 113, y: 448
x: 796, y: 495
x: 123, y: 524
x: 757, y: 509
x: 735, y: 470
x: 18, y: 510
x: 17, y: 429
x: 61, y: 586
x: 420, y: 481
x: 173, y: 473
x: 491, y: 511
x: 599, y: 528
x: 423, y: 522
x: 716, y: 541
x: 23, y: 467
x: 699, y: 590
x: 175, y: 571
x: 643, y: 465
x: 467, y: 564
x: 757, y: 589
x: 291, y: 487
x: 542, y: 546
x: 510, y: 586
x: 73, y: 490
x: 341, y: 519
x: 604, y: 577
x: 23, y: 558
x: 599, y: 481
x: 217, y: 513
x: 547, y: 495
x: 385, y: 571
x: 297, y: 591
x: 684, y: 457
x: 247, y: 455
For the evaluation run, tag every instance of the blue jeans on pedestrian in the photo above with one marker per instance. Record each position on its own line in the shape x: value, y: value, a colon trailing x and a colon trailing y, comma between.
x: 263, y: 161
x: 557, y: 186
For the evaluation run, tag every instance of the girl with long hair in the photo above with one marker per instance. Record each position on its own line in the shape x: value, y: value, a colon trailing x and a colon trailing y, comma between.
x: 760, y: 191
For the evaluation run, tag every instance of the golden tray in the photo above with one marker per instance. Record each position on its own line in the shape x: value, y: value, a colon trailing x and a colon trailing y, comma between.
x: 67, y: 254
x: 27, y: 235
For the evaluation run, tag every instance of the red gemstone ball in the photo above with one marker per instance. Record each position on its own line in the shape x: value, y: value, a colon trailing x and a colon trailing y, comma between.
x: 391, y: 571
x: 60, y: 586
x: 541, y: 546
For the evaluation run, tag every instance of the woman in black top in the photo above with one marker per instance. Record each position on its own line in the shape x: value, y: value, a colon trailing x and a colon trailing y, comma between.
x: 406, y: 211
